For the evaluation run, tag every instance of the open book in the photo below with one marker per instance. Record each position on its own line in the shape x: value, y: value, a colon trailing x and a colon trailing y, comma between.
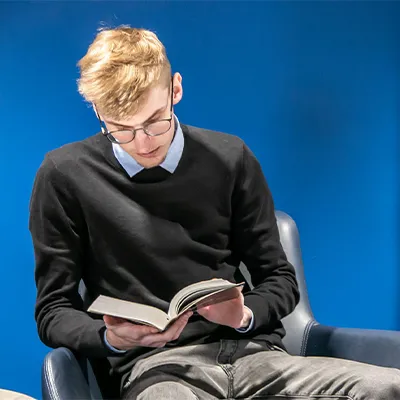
x: 199, y: 294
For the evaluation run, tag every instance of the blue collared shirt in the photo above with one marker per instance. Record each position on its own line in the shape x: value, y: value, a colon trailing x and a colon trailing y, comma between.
x: 174, y: 154
x: 132, y: 167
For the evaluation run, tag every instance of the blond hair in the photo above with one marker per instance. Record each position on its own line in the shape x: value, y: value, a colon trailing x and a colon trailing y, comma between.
x: 120, y: 67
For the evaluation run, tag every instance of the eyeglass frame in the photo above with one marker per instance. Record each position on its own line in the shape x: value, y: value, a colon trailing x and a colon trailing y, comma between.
x: 111, y: 138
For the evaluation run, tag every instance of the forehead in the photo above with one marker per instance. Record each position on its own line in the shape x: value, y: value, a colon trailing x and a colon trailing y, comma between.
x: 156, y: 99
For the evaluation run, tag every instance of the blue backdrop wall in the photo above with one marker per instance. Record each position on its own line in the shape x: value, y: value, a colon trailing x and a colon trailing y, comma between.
x: 310, y: 86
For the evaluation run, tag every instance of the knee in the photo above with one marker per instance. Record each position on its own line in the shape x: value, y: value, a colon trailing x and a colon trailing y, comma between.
x: 167, y: 391
x: 383, y: 385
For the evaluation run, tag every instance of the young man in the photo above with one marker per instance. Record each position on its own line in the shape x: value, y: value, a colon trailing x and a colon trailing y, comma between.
x: 148, y: 206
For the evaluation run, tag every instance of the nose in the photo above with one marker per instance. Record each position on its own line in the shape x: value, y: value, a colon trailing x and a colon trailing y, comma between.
x: 142, y: 142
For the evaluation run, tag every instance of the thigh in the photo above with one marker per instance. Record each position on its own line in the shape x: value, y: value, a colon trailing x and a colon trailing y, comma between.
x: 162, y: 386
x: 276, y: 375
x: 167, y: 391
x: 193, y: 367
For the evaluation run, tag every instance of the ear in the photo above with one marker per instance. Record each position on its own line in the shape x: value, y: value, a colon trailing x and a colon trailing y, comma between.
x: 95, y: 110
x: 177, y: 88
x: 99, y: 117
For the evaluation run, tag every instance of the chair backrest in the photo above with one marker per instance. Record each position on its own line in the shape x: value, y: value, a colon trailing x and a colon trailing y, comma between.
x: 299, y: 322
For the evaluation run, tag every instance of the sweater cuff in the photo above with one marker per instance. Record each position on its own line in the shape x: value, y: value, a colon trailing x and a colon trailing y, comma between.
x: 113, y: 349
x: 258, y: 305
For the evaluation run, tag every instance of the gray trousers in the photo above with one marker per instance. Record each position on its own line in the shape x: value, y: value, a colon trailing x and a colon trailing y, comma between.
x: 244, y: 369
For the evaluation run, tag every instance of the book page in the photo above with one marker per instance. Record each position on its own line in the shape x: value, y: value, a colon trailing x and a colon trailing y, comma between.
x: 194, y: 294
x: 214, y: 298
x: 135, y: 312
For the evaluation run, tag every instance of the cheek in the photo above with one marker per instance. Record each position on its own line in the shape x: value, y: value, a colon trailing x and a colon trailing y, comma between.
x: 129, y: 147
x: 169, y: 136
x: 167, y: 140
x: 163, y: 140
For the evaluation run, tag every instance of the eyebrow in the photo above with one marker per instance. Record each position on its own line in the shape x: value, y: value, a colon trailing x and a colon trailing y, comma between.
x: 155, y: 113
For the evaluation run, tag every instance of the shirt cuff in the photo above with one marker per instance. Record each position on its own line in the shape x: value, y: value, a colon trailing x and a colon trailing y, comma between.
x: 251, y: 324
x: 109, y: 345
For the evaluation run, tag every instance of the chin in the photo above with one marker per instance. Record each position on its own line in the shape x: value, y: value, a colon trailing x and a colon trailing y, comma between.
x: 154, y: 162
x: 149, y: 165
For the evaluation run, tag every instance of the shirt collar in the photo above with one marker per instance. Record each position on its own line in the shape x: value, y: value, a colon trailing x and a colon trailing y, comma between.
x: 174, y: 154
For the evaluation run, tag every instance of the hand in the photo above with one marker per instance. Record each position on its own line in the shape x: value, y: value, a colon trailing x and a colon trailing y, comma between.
x: 231, y: 313
x: 125, y: 335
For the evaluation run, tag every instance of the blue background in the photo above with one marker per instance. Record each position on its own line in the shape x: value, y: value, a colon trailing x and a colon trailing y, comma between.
x: 311, y: 86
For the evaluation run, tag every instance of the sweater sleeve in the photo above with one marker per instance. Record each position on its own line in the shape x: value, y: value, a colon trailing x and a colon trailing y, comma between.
x: 57, y: 230
x: 257, y: 243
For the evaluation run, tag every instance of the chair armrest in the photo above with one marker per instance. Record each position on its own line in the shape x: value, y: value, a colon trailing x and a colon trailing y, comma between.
x: 376, y: 347
x: 63, y: 377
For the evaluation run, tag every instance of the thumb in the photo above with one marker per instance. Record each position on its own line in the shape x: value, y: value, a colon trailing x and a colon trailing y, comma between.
x: 204, y: 309
x: 110, y: 320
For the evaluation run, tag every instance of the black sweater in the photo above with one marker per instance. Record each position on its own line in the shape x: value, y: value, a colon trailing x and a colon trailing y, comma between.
x: 143, y: 240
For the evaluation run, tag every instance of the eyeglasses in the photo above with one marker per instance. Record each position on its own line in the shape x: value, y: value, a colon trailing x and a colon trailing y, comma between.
x: 155, y: 128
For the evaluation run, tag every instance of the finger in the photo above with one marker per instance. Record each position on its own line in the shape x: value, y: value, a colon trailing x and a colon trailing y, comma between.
x: 137, y: 332
x: 170, y: 333
x: 129, y: 330
x: 177, y: 327
x: 157, y: 344
x: 110, y: 320
x: 204, y: 311
x: 179, y: 331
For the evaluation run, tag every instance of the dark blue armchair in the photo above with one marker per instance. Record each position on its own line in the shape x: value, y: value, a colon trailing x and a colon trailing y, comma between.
x: 66, y: 376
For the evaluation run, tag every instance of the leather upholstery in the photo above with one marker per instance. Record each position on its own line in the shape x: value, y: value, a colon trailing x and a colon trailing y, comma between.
x: 66, y: 377
x: 370, y: 346
x: 299, y: 322
x: 63, y: 377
